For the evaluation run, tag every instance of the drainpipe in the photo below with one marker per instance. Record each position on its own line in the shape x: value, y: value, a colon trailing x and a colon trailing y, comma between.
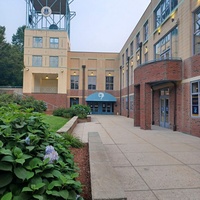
x: 83, y: 89
x: 140, y: 45
x: 120, y: 91
x: 153, y: 122
x: 128, y: 86
x: 175, y: 91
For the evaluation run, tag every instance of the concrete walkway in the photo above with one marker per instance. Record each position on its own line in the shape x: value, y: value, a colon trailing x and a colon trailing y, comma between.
x: 151, y: 165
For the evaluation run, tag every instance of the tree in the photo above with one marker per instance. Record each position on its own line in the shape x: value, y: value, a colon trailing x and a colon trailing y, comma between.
x: 11, y: 59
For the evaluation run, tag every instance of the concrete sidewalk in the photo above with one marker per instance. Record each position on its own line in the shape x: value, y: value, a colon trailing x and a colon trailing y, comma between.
x: 151, y: 165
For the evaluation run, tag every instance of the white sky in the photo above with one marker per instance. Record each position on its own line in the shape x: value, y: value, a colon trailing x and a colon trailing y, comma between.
x: 99, y: 25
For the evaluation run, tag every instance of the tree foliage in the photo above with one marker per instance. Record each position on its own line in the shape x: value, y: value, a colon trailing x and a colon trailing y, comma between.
x: 11, y: 58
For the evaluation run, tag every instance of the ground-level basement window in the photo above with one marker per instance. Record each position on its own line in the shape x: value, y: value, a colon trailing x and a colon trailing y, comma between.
x: 195, y: 94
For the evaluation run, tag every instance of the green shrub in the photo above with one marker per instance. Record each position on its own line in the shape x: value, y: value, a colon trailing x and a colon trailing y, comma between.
x: 34, y: 162
x: 24, y: 102
x: 60, y: 112
x: 80, y: 110
x: 73, y: 141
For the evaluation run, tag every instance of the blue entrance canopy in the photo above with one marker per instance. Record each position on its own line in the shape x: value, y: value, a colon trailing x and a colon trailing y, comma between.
x: 101, y: 97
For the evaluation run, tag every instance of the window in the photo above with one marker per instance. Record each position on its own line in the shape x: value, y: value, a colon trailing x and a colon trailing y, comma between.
x: 131, y: 102
x: 146, y: 57
x: 163, y: 11
x: 195, y: 94
x: 167, y: 47
x: 126, y: 54
x: 53, y: 61
x: 197, y: 32
x: 54, y: 43
x: 109, y: 82
x: 37, y: 61
x: 74, y: 101
x: 123, y: 60
x: 92, y: 82
x: 131, y: 48
x: 75, y: 82
x: 146, y: 31
x: 37, y: 42
x: 138, y: 41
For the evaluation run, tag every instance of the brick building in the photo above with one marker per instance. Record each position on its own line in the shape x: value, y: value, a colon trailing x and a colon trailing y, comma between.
x: 155, y: 78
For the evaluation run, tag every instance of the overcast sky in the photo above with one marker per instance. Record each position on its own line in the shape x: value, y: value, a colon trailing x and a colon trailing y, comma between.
x: 99, y: 25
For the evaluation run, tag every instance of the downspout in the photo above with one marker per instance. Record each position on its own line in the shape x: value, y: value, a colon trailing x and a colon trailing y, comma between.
x: 175, y: 91
x: 120, y: 91
x: 153, y: 122
x: 83, y: 88
x: 128, y: 87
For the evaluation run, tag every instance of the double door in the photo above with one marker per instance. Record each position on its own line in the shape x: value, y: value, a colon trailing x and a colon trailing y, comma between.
x: 104, y: 108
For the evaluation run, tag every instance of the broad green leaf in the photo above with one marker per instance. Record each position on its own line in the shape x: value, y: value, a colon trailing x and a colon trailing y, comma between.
x: 27, y: 189
x: 29, y: 175
x: 17, y: 152
x: 4, y: 166
x: 36, y: 179
x: 6, y: 151
x: 64, y: 194
x: 39, y: 197
x: 1, y: 144
x: 6, y: 179
x: 20, y: 161
x: 8, y: 159
x: 72, y: 195
x: 20, y: 172
x: 7, y: 196
x: 30, y: 148
x: 22, y: 196
x: 54, y: 184
x: 56, y: 173
x: 47, y: 175
x: 35, y: 162
x: 53, y: 193
x: 39, y: 185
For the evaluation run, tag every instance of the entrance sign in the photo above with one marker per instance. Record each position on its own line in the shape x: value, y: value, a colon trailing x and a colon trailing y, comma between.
x: 101, y: 95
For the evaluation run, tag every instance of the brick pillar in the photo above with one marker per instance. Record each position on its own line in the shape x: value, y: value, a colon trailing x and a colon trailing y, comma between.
x: 145, y: 106
x: 137, y: 106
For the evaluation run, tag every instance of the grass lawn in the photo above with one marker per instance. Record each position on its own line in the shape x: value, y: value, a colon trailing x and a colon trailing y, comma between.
x: 55, y: 122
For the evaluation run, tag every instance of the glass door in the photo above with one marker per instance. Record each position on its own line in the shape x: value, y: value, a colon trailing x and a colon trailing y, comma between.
x: 164, y: 112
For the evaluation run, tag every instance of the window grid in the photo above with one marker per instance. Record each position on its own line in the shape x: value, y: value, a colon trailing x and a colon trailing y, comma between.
x: 146, y: 31
x: 74, y: 82
x: 53, y: 61
x: 197, y: 32
x: 195, y: 98
x: 131, y: 48
x: 92, y: 82
x: 163, y: 11
x: 109, y: 82
x: 54, y: 43
x: 37, y: 42
x: 36, y: 61
x: 138, y: 41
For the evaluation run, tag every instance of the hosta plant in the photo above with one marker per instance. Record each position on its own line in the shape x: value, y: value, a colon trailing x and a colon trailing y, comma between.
x: 34, y: 162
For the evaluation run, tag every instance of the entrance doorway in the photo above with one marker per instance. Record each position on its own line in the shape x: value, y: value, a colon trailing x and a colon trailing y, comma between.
x: 164, y: 108
x: 105, y: 108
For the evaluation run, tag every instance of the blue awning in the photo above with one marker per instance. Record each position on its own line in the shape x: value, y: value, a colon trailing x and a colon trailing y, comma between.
x: 102, y: 97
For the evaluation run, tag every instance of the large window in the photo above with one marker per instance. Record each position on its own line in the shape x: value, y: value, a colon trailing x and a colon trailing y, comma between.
x: 195, y: 100
x: 75, y: 82
x: 109, y: 82
x: 197, y: 32
x: 92, y: 82
x: 54, y: 42
x: 163, y: 10
x: 138, y: 41
x: 53, y: 61
x: 123, y: 60
x: 131, y: 48
x: 167, y: 47
x: 126, y: 54
x: 37, y: 42
x: 146, y: 31
x: 36, y: 61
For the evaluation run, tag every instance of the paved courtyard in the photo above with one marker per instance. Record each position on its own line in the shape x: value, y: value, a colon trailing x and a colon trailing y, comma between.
x: 151, y: 165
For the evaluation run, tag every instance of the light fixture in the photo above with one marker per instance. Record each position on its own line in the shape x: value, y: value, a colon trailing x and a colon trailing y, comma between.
x: 138, y: 57
x: 27, y: 69
x: 131, y: 62
x: 109, y: 74
x: 74, y: 73
x: 46, y: 77
x: 57, y: 77
x: 146, y: 49
x: 62, y: 71
x: 159, y: 30
x: 92, y: 73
